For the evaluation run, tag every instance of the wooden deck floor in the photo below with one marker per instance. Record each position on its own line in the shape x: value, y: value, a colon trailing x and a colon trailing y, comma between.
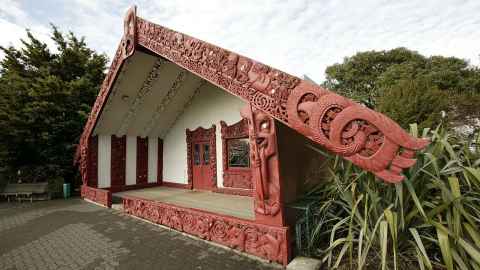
x: 230, y: 205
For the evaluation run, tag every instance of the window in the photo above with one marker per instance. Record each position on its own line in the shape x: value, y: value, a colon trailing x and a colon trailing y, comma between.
x: 196, y: 154
x: 206, y: 154
x: 238, y: 153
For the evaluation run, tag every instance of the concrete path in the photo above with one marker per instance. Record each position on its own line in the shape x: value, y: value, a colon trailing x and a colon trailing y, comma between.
x: 73, y: 234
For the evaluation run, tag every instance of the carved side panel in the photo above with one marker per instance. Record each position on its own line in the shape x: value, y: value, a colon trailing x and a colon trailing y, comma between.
x: 118, y: 160
x: 265, y: 166
x: 367, y: 138
x: 160, y: 161
x: 92, y: 165
x: 142, y: 160
x: 201, y: 134
x: 234, y: 177
x: 268, y: 242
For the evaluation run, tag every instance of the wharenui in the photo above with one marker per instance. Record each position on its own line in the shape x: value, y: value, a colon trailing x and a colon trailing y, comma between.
x: 215, y: 144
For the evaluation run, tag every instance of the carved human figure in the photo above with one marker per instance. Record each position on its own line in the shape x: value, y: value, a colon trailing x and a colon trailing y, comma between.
x: 263, y: 148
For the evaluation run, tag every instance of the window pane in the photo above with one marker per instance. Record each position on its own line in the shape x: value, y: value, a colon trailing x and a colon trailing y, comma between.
x: 238, y: 153
x: 196, y: 154
x: 206, y: 154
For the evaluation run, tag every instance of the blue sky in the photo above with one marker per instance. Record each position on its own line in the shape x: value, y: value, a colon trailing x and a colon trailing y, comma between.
x: 300, y: 36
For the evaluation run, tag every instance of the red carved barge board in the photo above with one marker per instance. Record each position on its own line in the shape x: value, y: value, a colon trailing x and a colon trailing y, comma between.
x: 268, y: 242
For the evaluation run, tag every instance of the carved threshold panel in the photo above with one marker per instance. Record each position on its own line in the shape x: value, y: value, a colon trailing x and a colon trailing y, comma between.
x: 235, y: 155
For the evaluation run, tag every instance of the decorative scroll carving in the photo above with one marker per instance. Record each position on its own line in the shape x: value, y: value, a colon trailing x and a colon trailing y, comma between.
x: 205, y: 135
x: 378, y: 144
x: 367, y: 138
x: 264, y: 160
x: 100, y: 196
x: 234, y: 177
x: 269, y: 242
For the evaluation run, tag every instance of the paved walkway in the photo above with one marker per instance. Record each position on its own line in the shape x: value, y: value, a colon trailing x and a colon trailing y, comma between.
x: 73, y: 234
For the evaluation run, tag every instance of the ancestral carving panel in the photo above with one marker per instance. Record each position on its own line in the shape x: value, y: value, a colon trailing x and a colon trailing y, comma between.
x: 269, y: 242
x: 265, y: 170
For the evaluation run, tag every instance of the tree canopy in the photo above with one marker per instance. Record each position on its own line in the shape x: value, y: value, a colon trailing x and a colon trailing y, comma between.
x: 372, y: 77
x: 45, y: 98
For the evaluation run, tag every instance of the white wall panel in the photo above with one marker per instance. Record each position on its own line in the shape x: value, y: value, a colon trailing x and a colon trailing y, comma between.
x: 104, y: 160
x: 131, y: 161
x: 152, y: 159
x: 209, y: 107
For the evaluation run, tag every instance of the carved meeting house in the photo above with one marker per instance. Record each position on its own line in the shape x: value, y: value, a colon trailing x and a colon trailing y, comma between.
x: 175, y: 113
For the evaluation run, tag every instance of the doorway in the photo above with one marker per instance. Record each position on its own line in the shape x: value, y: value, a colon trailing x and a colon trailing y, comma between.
x: 202, y: 158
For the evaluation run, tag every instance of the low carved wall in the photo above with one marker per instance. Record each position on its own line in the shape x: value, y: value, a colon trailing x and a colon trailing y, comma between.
x: 100, y: 196
x: 269, y: 242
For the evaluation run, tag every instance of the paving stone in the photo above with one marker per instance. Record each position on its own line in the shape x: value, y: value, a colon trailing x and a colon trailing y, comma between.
x: 73, y: 234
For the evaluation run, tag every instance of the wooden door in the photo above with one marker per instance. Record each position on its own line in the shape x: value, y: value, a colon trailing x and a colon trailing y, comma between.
x: 202, y: 170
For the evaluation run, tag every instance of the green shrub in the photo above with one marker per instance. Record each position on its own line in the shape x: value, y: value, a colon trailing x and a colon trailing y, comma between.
x: 431, y: 220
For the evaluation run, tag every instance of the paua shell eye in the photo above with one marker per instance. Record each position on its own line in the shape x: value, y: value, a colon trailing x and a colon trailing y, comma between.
x: 264, y: 125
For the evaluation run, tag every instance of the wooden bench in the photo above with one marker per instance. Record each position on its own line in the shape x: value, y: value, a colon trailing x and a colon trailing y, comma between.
x: 24, y: 191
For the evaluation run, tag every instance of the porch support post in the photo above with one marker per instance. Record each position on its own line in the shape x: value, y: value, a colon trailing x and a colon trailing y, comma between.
x: 92, y: 162
x: 265, y: 167
x: 142, y: 160
x: 118, y: 161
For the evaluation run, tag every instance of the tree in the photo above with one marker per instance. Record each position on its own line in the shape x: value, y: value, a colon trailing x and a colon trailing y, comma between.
x: 45, y: 99
x: 368, y: 77
x: 414, y: 101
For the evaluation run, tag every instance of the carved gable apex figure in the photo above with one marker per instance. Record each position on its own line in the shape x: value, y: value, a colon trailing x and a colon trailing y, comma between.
x: 369, y: 139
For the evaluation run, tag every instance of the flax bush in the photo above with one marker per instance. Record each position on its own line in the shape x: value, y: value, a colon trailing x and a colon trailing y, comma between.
x: 431, y: 220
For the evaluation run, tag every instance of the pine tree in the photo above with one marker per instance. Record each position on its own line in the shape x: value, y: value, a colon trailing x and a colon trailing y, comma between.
x: 45, y: 99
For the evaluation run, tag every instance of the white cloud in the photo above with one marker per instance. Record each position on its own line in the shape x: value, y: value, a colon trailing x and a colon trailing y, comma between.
x: 298, y: 36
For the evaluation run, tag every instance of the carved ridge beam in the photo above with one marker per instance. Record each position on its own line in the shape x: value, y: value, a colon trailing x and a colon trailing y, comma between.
x: 140, y: 96
x: 369, y: 139
x: 172, y: 92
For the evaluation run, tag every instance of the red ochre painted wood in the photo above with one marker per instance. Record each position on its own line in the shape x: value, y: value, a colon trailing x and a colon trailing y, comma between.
x: 369, y: 139
x: 118, y: 160
x: 160, y: 161
x: 268, y: 242
x: 142, y: 160
x: 100, y: 196
x: 92, y: 166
